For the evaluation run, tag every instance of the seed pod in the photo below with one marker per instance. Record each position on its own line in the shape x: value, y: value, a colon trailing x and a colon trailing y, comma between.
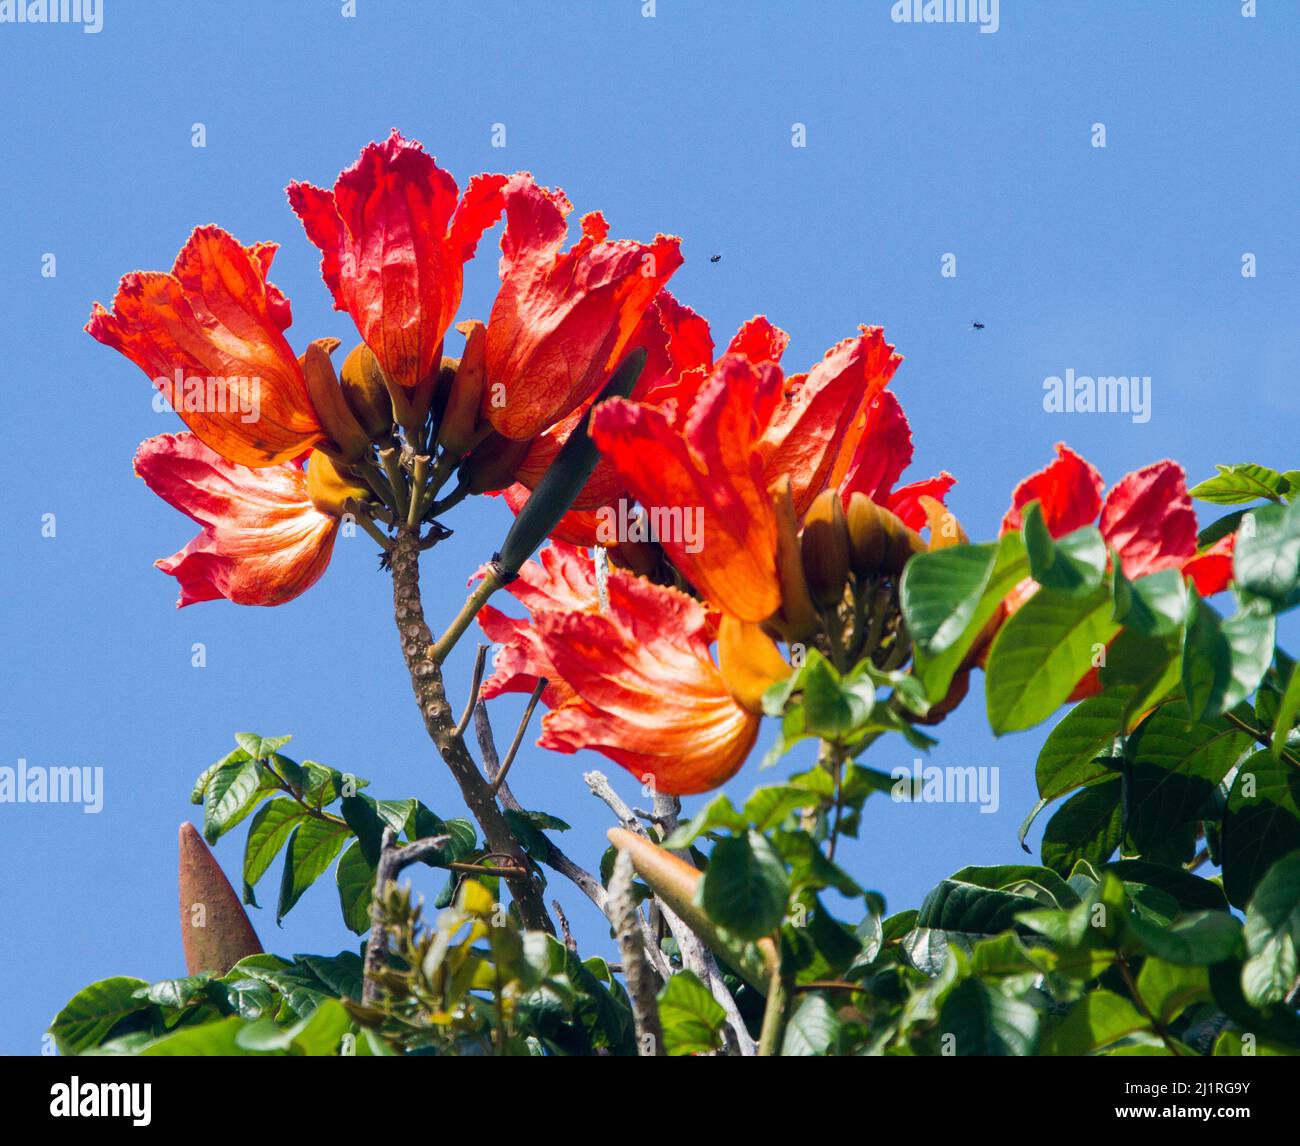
x: 366, y: 395
x: 749, y: 661
x: 824, y: 549
x: 462, y: 427
x: 797, y: 618
x: 326, y: 394
x: 215, y: 932
x: 868, y: 537
x: 329, y: 489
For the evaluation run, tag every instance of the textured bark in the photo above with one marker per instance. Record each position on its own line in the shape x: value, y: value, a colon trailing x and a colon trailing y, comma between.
x: 440, y: 723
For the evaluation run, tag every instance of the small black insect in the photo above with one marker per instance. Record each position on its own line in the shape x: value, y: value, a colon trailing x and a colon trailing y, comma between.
x: 715, y: 258
x: 978, y: 325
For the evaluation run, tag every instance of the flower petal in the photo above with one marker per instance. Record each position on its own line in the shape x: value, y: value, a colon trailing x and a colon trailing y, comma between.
x: 210, y: 336
x: 394, y: 241
x: 711, y: 465
x: 1211, y: 570
x: 262, y: 541
x: 562, y: 321
x: 1148, y: 518
x: 1068, y: 491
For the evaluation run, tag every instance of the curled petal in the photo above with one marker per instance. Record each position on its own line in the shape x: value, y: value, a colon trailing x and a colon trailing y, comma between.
x: 814, y: 432
x: 759, y: 340
x: 905, y: 502
x: 883, y: 451
x: 210, y: 335
x: 660, y: 710
x: 562, y: 321
x: 262, y: 541
x: 1068, y: 491
x: 394, y: 239
x: 1211, y: 570
x: 710, y: 466
x: 1148, y: 518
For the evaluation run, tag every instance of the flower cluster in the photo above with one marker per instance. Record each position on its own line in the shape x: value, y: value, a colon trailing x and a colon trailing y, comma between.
x: 733, y: 506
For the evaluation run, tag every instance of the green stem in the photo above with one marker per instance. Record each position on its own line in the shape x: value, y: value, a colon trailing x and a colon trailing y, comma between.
x: 778, y: 998
x: 492, y: 581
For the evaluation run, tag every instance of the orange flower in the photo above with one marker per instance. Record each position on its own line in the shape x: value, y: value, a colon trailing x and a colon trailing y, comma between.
x: 210, y: 335
x: 562, y: 321
x: 263, y: 542
x: 395, y: 239
x: 634, y: 682
x: 712, y: 464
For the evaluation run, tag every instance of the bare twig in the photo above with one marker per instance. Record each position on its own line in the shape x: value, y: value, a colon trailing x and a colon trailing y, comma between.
x: 392, y: 860
x: 636, y: 968
x: 569, y: 941
x: 480, y: 658
x: 500, y: 777
x: 695, y: 956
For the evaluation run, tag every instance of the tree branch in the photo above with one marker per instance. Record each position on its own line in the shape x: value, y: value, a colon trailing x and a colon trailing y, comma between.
x: 636, y: 968
x: 430, y: 694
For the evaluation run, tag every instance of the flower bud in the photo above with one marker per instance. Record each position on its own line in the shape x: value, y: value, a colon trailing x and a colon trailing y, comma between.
x: 749, y: 661
x: 824, y: 549
x: 492, y: 463
x: 904, y: 543
x: 797, y: 618
x: 326, y: 394
x: 366, y: 393
x: 329, y: 489
x: 868, y: 538
x: 945, y: 529
x: 462, y: 426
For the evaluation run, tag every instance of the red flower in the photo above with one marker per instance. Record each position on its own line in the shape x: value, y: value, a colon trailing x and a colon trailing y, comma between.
x: 263, y: 542
x: 883, y: 452
x: 634, y: 682
x: 395, y: 239
x: 562, y: 321
x: 210, y: 334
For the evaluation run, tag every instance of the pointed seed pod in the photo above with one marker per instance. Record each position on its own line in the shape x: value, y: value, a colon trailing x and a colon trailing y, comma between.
x: 215, y: 932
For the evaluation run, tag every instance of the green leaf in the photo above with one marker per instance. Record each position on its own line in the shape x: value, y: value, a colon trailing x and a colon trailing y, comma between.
x: 1076, y: 751
x: 260, y: 747
x: 1266, y: 559
x: 1096, y: 1021
x: 691, y: 1018
x: 356, y: 884
x: 88, y: 1017
x: 267, y: 834
x: 1241, y: 483
x: 812, y: 1028
x: 745, y: 887
x: 1261, y: 824
x: 949, y: 596
x: 1168, y: 989
x: 1176, y: 768
x: 312, y: 848
x: 232, y: 792
x: 1287, y: 710
x: 1195, y: 940
x: 1154, y: 605
x: 320, y: 1034
x: 1074, y: 565
x: 1041, y: 653
x: 1089, y: 826
x: 1146, y: 669
x: 1190, y: 892
x: 1272, y: 933
x: 218, y: 1039
x: 978, y: 1019
x: 341, y: 973
x: 1223, y: 661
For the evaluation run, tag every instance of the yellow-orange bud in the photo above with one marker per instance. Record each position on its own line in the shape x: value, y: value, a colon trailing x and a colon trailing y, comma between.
x: 749, y: 661
x: 367, y: 395
x: 824, y: 549
x: 462, y: 426
x: 326, y: 394
x: 329, y: 489
x: 797, y: 618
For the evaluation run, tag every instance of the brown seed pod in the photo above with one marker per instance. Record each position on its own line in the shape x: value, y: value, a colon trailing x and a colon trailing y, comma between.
x: 215, y: 931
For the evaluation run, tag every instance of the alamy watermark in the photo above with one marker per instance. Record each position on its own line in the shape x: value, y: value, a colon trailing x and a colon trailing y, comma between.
x: 88, y: 13
x: 984, y: 13
x: 678, y: 525
x: 211, y: 394
x: 931, y: 784
x: 35, y: 784
x: 1105, y: 394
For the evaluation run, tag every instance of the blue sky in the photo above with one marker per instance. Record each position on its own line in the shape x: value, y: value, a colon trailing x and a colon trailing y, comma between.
x: 921, y: 140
